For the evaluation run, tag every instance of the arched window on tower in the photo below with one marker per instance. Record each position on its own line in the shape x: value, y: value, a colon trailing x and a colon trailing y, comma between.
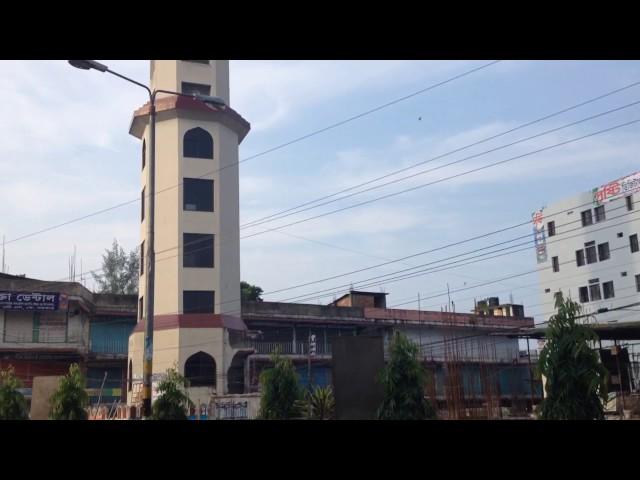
x: 198, y: 143
x: 130, y: 380
x: 200, y: 370
x: 144, y: 153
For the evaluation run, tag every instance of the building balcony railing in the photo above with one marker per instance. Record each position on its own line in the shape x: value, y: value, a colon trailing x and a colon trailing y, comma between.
x: 288, y: 348
x: 42, y: 336
x: 109, y: 346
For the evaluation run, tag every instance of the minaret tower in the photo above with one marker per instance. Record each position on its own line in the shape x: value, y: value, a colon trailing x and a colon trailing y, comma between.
x: 197, y: 245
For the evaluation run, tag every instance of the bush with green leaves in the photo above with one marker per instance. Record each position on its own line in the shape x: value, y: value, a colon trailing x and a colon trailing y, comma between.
x: 13, y: 405
x: 281, y: 392
x: 576, y: 380
x: 70, y: 400
x: 404, y: 380
x: 320, y: 403
x: 173, y: 402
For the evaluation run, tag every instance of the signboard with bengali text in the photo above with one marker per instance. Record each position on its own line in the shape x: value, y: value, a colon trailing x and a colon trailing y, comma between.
x: 618, y: 188
x: 31, y: 301
x: 539, y: 236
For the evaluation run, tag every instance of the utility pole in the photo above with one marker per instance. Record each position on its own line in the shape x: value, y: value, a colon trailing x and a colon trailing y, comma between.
x: 147, y: 368
x: 311, y: 353
x: 311, y: 350
x: 420, y: 328
x: 530, y: 373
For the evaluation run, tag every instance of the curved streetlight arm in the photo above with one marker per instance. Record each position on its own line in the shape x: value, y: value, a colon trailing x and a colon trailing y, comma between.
x: 131, y: 81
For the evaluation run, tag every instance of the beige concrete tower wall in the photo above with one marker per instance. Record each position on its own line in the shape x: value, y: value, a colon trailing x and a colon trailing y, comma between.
x: 223, y: 222
x: 168, y: 210
x: 201, y: 222
x: 229, y: 223
x: 165, y: 353
x: 174, y: 346
x: 207, y: 340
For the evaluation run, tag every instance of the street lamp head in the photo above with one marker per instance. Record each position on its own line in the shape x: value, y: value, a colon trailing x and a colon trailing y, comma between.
x: 88, y: 65
x: 216, y: 101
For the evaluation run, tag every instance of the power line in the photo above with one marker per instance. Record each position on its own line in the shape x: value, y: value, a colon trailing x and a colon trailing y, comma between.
x: 431, y: 270
x: 440, y: 248
x: 501, y: 147
x: 549, y: 147
x: 439, y: 268
x: 522, y: 286
x: 420, y: 186
x: 444, y: 179
x: 373, y: 110
x: 272, y: 149
x: 435, y: 269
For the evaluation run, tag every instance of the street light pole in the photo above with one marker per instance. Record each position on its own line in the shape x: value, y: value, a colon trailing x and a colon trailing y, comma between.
x: 147, y: 369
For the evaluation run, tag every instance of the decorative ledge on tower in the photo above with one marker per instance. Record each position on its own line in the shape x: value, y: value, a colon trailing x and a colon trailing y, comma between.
x: 169, y: 106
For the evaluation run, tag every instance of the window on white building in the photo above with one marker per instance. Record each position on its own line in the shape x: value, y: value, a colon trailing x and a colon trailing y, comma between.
x: 590, y: 251
x: 629, y: 200
x: 587, y: 219
x: 633, y: 242
x: 607, y: 289
x: 599, y: 214
x: 584, y: 294
x: 556, y: 264
x: 638, y: 283
x: 580, y: 257
x: 551, y: 228
x: 594, y: 292
x: 603, y: 251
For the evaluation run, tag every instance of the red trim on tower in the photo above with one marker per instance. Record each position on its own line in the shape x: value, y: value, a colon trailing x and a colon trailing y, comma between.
x: 193, y: 320
x: 226, y: 115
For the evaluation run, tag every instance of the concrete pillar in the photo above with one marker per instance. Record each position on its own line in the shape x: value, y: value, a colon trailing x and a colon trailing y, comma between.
x: 324, y: 334
x: 294, y: 339
x: 247, y: 374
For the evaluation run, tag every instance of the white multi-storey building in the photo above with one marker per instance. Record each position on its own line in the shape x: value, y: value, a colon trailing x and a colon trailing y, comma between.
x: 587, y: 247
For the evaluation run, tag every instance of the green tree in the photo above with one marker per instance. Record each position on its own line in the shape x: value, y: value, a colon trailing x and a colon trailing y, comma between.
x: 70, y: 400
x: 173, y: 401
x: 13, y: 405
x: 576, y: 381
x: 119, y: 271
x: 281, y: 391
x: 250, y: 293
x: 403, y: 380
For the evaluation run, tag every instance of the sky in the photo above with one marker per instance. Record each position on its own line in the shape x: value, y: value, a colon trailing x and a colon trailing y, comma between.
x: 66, y: 152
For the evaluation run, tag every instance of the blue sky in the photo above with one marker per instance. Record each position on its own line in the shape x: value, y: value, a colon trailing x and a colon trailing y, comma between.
x: 66, y: 152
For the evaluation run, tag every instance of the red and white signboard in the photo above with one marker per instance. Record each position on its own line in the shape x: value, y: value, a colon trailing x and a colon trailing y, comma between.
x: 618, y: 188
x: 539, y: 236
